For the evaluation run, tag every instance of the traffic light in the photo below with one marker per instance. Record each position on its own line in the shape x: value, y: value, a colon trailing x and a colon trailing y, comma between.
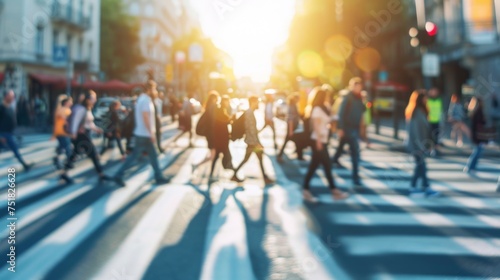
x: 423, y: 36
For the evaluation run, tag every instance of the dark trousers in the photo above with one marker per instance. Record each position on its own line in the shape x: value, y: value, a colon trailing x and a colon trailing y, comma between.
x: 11, y: 143
x: 260, y: 154
x: 142, y: 145
x: 435, y: 133
x: 106, y: 143
x: 64, y: 146
x: 227, y: 159
x: 351, y: 139
x: 83, y: 145
x: 319, y: 157
x: 420, y: 171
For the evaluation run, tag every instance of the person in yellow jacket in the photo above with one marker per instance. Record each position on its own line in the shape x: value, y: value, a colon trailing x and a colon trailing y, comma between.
x: 366, y: 119
x: 435, y: 106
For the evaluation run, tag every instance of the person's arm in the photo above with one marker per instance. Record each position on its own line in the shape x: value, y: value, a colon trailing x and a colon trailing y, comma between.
x: 341, y: 121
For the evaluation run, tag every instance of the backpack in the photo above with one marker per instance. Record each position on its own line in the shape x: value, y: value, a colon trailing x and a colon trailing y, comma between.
x: 238, y: 128
x: 202, y: 125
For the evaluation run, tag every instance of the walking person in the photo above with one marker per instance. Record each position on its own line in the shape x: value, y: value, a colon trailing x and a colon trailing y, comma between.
x: 293, y: 120
x: 158, y: 104
x: 348, y: 127
x: 112, y: 129
x: 186, y: 120
x: 23, y: 112
x: 366, y: 120
x: 269, y: 114
x: 419, y: 138
x: 252, y: 141
x: 174, y: 106
x: 61, y: 114
x: 222, y: 120
x: 478, y: 132
x: 319, y: 118
x: 435, y: 105
x: 144, y: 134
x: 456, y: 115
x: 128, y: 126
x: 208, y: 122
x: 8, y: 124
x: 80, y: 127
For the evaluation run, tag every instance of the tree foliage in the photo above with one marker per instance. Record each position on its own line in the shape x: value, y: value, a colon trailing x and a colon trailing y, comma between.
x: 120, y: 49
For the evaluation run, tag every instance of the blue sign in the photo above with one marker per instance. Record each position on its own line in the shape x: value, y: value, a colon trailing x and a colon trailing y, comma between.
x: 383, y: 76
x: 60, y: 54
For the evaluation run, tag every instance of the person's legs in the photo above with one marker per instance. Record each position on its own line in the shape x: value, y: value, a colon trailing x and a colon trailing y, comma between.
x: 287, y: 138
x: 340, y: 149
x: 214, y: 161
x: 158, y: 140
x: 227, y: 159
x: 474, y: 158
x: 435, y: 133
x: 92, y: 153
x: 324, y: 159
x: 153, y: 157
x: 416, y: 171
x: 313, y: 165
x: 260, y: 156
x: 353, y: 142
x: 65, y: 143
x: 136, y: 152
x: 119, y: 144
x: 248, y: 153
x: 11, y: 143
x: 274, y: 135
x: 106, y: 142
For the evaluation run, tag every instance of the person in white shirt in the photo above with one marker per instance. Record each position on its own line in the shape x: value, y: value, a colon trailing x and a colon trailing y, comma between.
x: 318, y: 114
x: 269, y: 114
x: 145, y: 135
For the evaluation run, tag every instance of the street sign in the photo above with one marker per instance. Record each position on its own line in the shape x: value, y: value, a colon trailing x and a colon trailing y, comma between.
x: 195, y: 53
x: 430, y: 65
x: 60, y: 54
x: 383, y: 76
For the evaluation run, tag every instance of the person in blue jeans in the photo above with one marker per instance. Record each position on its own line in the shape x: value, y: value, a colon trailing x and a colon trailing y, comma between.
x: 7, y: 126
x: 144, y: 134
x: 351, y: 111
x: 478, y: 123
x: 419, y: 142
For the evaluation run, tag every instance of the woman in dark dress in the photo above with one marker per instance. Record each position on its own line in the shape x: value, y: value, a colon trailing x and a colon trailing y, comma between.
x: 210, y: 108
x: 222, y: 119
x: 478, y: 123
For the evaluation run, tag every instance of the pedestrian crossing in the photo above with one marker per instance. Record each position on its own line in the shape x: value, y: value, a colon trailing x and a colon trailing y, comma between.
x: 188, y: 229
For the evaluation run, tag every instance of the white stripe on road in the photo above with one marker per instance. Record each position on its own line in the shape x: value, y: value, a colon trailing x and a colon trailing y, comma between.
x: 139, y: 248
x: 46, y: 254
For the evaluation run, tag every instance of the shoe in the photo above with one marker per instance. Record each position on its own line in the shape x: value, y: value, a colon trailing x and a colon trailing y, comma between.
x: 66, y: 179
x: 307, y: 195
x: 415, y: 193
x: 56, y: 162
x: 339, y: 195
x: 105, y: 178
x: 269, y: 181
x: 432, y: 193
x: 119, y: 182
x: 28, y: 167
x: 236, y: 179
x: 337, y: 164
x: 162, y: 181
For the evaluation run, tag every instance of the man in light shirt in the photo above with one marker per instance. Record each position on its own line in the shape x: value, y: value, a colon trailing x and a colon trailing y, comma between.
x: 145, y: 135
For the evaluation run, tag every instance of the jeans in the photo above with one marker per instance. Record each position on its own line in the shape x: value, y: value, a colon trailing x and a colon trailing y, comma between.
x: 109, y: 140
x: 352, y: 139
x: 474, y: 157
x: 420, y: 171
x: 142, y: 145
x: 319, y: 157
x: 64, y: 146
x: 435, y: 133
x: 11, y: 143
x: 83, y: 145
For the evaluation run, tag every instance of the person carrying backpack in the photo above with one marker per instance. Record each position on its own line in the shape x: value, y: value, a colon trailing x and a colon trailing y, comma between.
x: 293, y: 120
x: 252, y: 141
x: 205, y: 127
x: 61, y: 115
x: 222, y: 120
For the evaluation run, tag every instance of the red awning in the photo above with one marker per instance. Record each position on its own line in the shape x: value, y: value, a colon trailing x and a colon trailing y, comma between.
x: 48, y: 79
x: 110, y: 85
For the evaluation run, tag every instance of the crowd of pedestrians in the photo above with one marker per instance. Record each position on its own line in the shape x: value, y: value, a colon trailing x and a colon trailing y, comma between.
x: 218, y: 124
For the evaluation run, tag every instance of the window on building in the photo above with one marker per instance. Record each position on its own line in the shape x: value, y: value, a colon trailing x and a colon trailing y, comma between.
x: 134, y: 9
x: 69, y: 41
x: 39, y: 40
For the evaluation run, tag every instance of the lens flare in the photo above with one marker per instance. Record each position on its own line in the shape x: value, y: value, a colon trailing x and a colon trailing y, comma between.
x: 338, y: 47
x: 367, y: 59
x: 310, y: 64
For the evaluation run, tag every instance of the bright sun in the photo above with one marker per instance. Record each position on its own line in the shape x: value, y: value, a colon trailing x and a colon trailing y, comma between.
x: 248, y: 30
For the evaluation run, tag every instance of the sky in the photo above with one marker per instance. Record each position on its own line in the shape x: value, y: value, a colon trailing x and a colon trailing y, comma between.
x: 248, y: 30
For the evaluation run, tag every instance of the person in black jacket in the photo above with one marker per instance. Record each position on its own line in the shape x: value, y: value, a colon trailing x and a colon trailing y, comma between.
x: 7, y: 126
x: 478, y: 125
x: 210, y: 108
x: 222, y: 120
x: 112, y: 129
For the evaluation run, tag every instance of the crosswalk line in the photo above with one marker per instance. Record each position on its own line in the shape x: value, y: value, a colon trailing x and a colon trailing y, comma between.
x: 45, y: 255
x: 138, y: 249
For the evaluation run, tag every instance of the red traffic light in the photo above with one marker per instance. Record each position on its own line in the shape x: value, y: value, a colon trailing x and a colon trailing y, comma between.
x: 431, y: 28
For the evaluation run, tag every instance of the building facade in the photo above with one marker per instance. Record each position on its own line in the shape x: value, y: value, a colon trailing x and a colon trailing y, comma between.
x: 44, y: 42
